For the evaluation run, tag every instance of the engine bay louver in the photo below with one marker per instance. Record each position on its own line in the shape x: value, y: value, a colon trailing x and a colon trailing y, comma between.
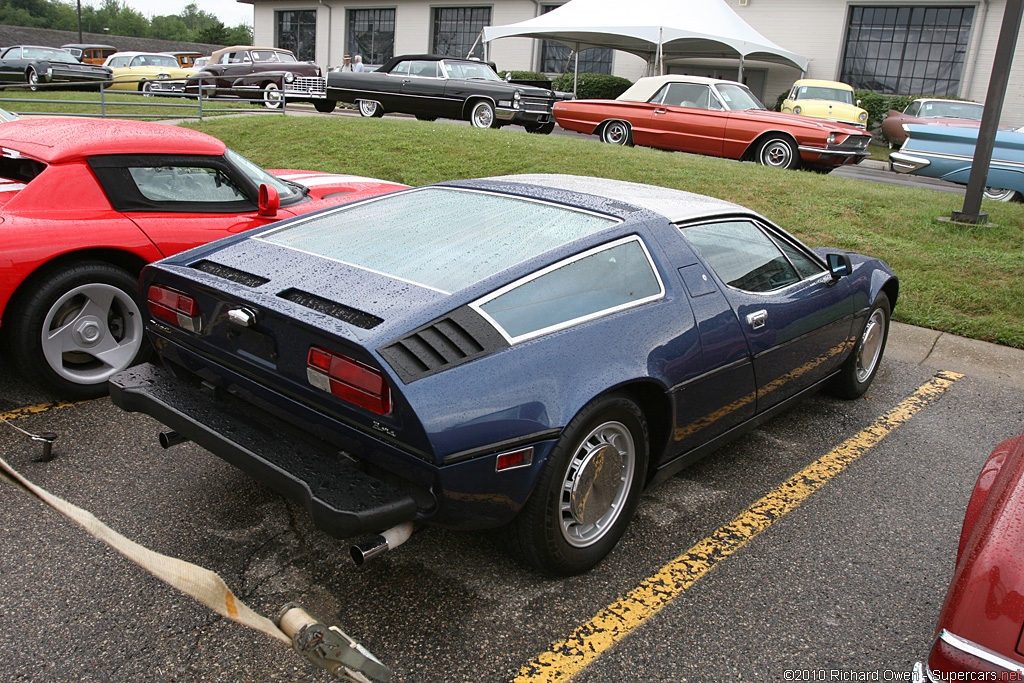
x: 229, y: 273
x: 352, y: 316
x: 456, y: 338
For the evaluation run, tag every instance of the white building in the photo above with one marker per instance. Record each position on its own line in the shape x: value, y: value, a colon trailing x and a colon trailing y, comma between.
x: 928, y: 47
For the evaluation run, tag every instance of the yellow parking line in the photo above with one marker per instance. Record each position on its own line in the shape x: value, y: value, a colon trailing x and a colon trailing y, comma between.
x: 565, y: 658
x: 18, y: 413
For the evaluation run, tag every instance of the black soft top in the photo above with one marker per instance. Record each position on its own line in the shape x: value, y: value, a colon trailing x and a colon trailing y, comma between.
x: 390, y: 64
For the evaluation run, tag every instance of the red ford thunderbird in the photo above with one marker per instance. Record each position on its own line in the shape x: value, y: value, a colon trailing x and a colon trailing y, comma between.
x: 85, y: 203
x: 980, y: 634
x: 713, y: 117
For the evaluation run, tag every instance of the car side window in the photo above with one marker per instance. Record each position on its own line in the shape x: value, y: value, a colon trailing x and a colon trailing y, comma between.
x: 402, y: 69
x: 912, y: 109
x: 426, y: 69
x: 598, y: 282
x: 185, y: 184
x: 742, y: 255
x: 13, y: 53
x: 683, y: 95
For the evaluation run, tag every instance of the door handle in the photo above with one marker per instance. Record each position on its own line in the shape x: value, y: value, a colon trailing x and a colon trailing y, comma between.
x: 757, y: 319
x: 660, y: 111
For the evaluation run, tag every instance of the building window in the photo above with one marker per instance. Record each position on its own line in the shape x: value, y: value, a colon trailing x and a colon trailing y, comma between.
x: 456, y: 29
x: 296, y: 31
x: 557, y: 58
x: 910, y: 50
x: 371, y: 33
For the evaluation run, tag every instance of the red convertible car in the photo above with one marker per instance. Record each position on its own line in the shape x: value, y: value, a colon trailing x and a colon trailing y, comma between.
x: 980, y: 634
x: 717, y: 118
x: 86, y: 203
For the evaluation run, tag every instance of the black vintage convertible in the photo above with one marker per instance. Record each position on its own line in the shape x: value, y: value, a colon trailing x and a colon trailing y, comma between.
x: 433, y: 86
x: 35, y: 64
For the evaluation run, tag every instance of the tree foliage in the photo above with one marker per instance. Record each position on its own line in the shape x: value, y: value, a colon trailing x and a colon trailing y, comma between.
x: 114, y: 17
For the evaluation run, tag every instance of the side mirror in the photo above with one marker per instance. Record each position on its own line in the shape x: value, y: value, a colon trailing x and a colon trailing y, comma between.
x: 858, y: 103
x: 269, y: 202
x: 839, y: 265
x: 508, y: 77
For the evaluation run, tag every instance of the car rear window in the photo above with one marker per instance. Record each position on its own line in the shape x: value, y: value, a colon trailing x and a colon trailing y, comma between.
x: 442, y: 238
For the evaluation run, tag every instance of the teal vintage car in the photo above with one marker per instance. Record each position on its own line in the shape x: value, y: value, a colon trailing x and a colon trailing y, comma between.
x: 947, y: 153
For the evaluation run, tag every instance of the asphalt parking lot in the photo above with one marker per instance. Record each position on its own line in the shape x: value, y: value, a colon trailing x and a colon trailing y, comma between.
x: 849, y: 581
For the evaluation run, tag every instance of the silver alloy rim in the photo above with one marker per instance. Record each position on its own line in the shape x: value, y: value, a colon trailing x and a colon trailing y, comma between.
x: 367, y: 108
x: 272, y: 96
x: 999, y: 194
x: 91, y: 332
x: 776, y: 153
x: 483, y: 115
x: 596, y: 484
x: 616, y: 133
x: 33, y: 78
x: 870, y: 345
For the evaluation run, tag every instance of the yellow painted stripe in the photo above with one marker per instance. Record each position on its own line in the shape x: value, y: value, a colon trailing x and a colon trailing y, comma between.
x: 18, y: 413
x: 566, y: 658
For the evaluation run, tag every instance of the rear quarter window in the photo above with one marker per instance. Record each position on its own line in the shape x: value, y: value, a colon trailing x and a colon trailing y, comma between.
x: 597, y: 282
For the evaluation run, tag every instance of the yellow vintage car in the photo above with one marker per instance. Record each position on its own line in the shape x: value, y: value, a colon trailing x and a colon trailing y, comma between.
x: 135, y: 70
x: 830, y: 100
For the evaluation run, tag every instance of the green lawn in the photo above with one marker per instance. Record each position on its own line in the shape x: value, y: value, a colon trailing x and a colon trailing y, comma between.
x: 965, y: 280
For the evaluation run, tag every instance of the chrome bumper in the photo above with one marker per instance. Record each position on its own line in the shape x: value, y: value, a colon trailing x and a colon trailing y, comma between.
x: 905, y: 163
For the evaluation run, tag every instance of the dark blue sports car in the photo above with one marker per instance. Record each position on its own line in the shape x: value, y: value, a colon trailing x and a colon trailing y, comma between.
x: 523, y: 352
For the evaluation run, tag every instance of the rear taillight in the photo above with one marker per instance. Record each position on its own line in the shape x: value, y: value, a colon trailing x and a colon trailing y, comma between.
x: 349, y: 380
x: 174, y: 307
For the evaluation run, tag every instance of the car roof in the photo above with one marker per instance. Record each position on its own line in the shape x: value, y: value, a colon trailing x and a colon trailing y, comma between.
x: 822, y: 83
x: 644, y: 88
x: 94, y: 45
x: 134, y: 53
x: 215, y: 55
x: 433, y: 58
x: 57, y: 140
x: 675, y: 205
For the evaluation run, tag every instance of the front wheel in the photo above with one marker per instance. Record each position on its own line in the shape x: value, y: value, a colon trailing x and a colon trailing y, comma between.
x: 999, y: 194
x: 778, y: 152
x: 587, y: 491
x: 540, y: 128
x: 273, y: 98
x: 617, y: 133
x: 859, y: 369
x: 32, y: 78
x: 482, y: 115
x: 78, y: 326
x: 324, y: 106
x: 370, y: 109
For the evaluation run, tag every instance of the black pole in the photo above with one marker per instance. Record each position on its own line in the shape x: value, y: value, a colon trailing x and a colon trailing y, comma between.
x: 79, y: 21
x: 971, y: 212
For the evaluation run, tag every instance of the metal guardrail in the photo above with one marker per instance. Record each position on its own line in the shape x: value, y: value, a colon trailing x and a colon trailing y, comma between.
x: 164, y: 106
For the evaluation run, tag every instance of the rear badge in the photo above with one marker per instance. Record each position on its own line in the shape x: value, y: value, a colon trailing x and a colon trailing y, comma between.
x: 242, y: 317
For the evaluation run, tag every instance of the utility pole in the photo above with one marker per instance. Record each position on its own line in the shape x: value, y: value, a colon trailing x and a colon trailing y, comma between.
x: 971, y: 212
x: 80, y: 21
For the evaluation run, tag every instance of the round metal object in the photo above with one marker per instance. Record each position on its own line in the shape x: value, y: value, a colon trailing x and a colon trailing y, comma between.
x: 870, y: 349
x: 272, y: 96
x: 999, y: 194
x: 91, y: 332
x: 596, y: 484
x: 776, y: 153
x: 482, y: 115
x: 616, y: 133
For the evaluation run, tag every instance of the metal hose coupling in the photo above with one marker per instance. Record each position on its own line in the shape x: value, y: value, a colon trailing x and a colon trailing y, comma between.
x: 328, y: 648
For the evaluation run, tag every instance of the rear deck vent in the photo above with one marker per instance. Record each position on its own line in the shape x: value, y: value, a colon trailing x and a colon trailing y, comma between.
x: 352, y: 316
x: 228, y: 273
x: 457, y: 338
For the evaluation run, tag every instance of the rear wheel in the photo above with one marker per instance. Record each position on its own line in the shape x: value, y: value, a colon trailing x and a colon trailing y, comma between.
x: 370, y: 109
x: 617, y: 133
x: 78, y: 326
x: 860, y: 368
x: 778, y: 152
x: 1000, y: 195
x: 273, y: 98
x: 324, y: 106
x: 587, y: 491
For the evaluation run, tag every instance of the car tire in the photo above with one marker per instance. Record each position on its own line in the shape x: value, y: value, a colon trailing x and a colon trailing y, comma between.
x: 998, y: 194
x: 575, y: 516
x: 370, y: 109
x: 859, y: 369
x: 617, y: 133
x: 76, y: 326
x: 424, y: 117
x: 481, y: 115
x: 324, y: 106
x: 144, y: 89
x: 32, y: 78
x: 273, y: 98
x: 540, y: 128
x: 778, y: 152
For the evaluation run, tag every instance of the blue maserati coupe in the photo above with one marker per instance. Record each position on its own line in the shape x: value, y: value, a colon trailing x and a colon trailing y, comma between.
x: 522, y: 352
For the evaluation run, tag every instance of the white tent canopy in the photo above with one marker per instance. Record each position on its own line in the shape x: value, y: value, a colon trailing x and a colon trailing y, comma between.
x: 652, y: 29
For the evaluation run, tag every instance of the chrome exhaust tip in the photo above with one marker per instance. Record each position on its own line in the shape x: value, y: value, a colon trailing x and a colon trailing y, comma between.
x: 367, y: 549
x: 172, y: 438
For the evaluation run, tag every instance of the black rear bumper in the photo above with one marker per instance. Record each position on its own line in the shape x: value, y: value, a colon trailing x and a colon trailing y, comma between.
x: 343, y: 500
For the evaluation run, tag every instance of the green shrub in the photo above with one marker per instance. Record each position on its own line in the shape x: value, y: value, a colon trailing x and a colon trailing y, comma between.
x: 523, y: 75
x: 593, y: 86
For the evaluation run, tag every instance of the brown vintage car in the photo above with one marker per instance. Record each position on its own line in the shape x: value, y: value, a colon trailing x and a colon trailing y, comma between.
x: 89, y: 53
x: 717, y: 118
x: 931, y: 112
x: 268, y: 73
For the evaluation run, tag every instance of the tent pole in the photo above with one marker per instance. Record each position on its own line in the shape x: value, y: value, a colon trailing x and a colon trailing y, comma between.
x: 475, y: 43
x: 661, y: 53
x: 741, y: 69
x: 576, y: 69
